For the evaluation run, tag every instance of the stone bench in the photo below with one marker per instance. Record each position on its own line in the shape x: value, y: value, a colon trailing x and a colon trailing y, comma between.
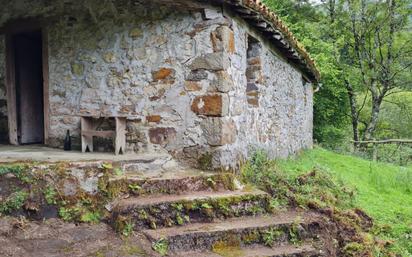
x: 89, y: 126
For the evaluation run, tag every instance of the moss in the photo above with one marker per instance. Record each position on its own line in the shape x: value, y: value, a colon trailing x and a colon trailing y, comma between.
x: 205, y: 161
x: 228, y: 181
x: 353, y: 249
x: 132, y: 250
x: 251, y: 237
x: 230, y: 247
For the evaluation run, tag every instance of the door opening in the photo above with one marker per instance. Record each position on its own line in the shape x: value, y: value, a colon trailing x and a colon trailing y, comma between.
x: 29, y: 87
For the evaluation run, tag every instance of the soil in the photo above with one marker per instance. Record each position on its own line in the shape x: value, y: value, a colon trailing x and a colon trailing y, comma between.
x: 54, y: 237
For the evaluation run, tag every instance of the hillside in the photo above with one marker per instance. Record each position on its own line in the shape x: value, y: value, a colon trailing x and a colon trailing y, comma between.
x: 383, y: 191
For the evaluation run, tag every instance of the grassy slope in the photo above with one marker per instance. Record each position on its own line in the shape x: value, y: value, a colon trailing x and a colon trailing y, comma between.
x: 384, y: 191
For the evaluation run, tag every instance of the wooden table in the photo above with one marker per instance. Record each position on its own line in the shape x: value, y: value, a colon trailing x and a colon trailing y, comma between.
x: 89, y: 126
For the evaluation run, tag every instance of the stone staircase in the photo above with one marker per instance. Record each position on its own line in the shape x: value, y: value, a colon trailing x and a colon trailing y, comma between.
x: 192, y: 213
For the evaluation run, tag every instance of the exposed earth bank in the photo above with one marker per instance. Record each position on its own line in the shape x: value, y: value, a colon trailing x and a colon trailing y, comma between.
x: 54, y: 237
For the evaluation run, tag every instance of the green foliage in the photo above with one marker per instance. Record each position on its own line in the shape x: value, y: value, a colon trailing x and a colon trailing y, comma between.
x: 69, y: 213
x: 161, y: 246
x: 178, y: 207
x: 118, y: 171
x: 13, y: 202
x: 13, y: 169
x: 395, y: 121
x: 127, y: 228
x: 382, y: 190
x: 272, y: 235
x: 352, y: 249
x: 294, y: 233
x: 19, y: 170
x: 355, y: 43
x: 310, y: 25
x: 179, y: 220
x: 90, y: 217
x: 50, y: 194
x: 107, y: 166
x: 134, y: 187
x: 206, y: 206
x: 317, y: 187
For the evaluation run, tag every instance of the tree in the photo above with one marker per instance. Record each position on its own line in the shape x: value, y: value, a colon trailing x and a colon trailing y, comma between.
x: 378, y: 52
x: 363, y: 49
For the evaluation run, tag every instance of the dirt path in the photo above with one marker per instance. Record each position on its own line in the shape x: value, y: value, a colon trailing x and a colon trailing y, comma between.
x: 54, y: 237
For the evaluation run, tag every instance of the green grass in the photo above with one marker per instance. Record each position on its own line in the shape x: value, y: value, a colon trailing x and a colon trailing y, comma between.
x: 383, y: 191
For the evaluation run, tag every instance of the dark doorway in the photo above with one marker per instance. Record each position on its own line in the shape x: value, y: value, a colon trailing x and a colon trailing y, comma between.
x: 29, y: 87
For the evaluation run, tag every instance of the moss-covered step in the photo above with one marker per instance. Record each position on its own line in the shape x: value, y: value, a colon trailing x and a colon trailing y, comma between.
x: 270, y: 230
x: 156, y: 211
x: 288, y: 250
x: 169, y: 182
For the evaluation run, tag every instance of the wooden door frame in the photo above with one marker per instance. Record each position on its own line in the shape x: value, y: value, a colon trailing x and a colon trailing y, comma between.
x: 10, y: 30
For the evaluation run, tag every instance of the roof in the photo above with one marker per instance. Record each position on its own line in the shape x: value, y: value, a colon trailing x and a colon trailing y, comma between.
x: 271, y: 26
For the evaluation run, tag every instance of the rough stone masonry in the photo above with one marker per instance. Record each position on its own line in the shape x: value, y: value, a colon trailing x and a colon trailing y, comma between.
x: 193, y: 80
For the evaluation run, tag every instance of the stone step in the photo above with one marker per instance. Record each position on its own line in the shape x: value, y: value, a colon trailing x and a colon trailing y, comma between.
x: 288, y: 250
x: 155, y: 211
x: 169, y: 182
x: 270, y: 229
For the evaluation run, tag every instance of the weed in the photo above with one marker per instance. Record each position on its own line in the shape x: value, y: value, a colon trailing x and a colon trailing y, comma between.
x: 19, y: 170
x: 179, y: 219
x: 13, y: 169
x: 224, y: 207
x: 134, y: 187
x: 211, y: 182
x: 255, y: 209
x: 128, y: 228
x: 186, y: 218
x: 178, y: 207
x: 143, y: 214
x: 161, y: 246
x: 91, y: 217
x: 294, y: 237
x: 206, y: 206
x: 50, y: 195
x: 107, y: 166
x: 13, y: 202
x: 69, y: 214
x: 275, y: 205
x: 118, y: 171
x: 271, y: 235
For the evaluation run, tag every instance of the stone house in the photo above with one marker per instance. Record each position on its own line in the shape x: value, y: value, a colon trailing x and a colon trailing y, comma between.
x: 206, y: 81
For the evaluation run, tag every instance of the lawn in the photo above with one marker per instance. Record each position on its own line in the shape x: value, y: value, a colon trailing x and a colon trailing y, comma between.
x: 384, y: 191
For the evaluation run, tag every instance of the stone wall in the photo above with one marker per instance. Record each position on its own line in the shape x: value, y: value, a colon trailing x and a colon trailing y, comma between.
x: 3, y: 97
x: 271, y: 105
x: 140, y: 68
x: 189, y: 80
